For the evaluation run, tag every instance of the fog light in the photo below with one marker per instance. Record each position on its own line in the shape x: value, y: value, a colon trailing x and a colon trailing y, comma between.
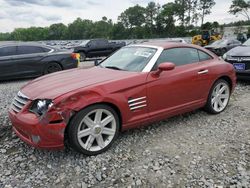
x: 35, y: 139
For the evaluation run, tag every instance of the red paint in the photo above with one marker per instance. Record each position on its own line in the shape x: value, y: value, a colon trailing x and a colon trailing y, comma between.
x: 169, y: 93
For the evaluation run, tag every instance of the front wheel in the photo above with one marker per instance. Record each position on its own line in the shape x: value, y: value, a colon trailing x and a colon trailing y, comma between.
x: 94, y: 129
x: 218, y: 97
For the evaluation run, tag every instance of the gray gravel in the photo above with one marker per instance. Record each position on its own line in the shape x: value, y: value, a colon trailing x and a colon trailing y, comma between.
x: 191, y: 150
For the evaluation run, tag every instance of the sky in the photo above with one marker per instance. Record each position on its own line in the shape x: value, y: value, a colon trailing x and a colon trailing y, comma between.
x: 26, y: 13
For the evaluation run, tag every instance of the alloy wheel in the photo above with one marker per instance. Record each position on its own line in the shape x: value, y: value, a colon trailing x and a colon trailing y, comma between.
x: 96, y: 130
x: 220, y: 96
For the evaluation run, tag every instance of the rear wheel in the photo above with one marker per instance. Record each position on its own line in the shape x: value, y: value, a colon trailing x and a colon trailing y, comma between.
x: 82, y: 56
x: 218, y: 97
x: 52, y: 67
x: 94, y: 129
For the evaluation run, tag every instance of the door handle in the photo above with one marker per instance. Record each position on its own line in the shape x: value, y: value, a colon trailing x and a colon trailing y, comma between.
x: 203, y: 72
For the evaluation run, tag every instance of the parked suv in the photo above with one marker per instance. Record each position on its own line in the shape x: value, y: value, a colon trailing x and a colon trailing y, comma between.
x: 97, y: 48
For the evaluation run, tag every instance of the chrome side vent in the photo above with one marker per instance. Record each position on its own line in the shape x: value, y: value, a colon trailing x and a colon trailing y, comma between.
x: 137, y: 103
x: 19, y: 102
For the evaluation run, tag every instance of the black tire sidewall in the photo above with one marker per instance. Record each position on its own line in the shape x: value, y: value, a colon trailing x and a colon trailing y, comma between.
x: 208, y: 106
x: 82, y: 56
x: 50, y: 64
x: 72, y: 130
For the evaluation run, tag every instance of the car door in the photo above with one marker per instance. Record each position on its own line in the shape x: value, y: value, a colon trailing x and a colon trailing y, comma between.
x: 178, y: 89
x: 93, y: 48
x: 28, y: 60
x: 105, y: 47
x: 7, y: 66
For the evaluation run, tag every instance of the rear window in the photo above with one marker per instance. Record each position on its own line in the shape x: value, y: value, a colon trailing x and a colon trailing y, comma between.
x: 204, y: 56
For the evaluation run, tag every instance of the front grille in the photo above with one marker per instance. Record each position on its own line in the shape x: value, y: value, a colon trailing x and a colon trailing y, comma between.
x: 19, y: 102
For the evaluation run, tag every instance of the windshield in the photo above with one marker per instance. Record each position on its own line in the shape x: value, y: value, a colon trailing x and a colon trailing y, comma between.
x: 132, y: 59
x: 220, y: 42
x: 83, y: 43
x: 247, y: 43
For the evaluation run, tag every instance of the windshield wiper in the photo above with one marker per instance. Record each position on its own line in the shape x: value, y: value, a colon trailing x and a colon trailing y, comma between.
x: 113, y: 67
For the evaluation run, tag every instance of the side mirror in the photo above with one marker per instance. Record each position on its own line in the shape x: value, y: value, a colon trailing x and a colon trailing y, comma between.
x: 165, y: 67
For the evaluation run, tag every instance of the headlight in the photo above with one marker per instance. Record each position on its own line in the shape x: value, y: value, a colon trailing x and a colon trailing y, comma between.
x: 225, y: 56
x: 41, y: 106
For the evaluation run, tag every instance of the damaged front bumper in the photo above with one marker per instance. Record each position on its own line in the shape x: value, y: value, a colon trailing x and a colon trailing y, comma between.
x: 40, y: 132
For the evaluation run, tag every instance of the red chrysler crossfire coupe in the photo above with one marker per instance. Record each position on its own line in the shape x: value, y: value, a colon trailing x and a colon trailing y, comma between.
x: 138, y: 84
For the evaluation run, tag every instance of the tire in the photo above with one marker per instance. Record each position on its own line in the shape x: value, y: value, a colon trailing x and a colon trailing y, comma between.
x: 218, y: 98
x: 82, y: 56
x: 89, y: 137
x: 52, y: 67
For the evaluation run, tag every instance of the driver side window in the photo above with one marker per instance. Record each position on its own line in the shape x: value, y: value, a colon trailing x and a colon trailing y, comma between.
x: 178, y: 56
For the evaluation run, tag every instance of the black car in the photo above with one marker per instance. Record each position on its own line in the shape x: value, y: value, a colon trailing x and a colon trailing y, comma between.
x: 97, y: 48
x: 23, y: 60
x: 220, y: 47
x: 240, y: 58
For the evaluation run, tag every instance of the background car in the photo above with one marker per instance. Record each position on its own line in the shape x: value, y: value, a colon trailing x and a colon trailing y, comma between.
x: 239, y: 57
x: 220, y: 47
x: 97, y: 48
x: 23, y: 60
x: 138, y: 84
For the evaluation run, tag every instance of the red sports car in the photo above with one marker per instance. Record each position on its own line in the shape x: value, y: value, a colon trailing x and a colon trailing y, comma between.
x: 139, y: 84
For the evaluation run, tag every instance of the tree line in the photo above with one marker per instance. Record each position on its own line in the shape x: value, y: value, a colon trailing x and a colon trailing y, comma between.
x: 175, y: 19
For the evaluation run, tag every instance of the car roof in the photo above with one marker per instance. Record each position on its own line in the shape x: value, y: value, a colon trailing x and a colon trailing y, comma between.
x: 167, y: 45
x: 16, y: 43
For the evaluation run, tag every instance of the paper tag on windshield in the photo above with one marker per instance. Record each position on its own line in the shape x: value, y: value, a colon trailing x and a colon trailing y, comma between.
x: 143, y: 54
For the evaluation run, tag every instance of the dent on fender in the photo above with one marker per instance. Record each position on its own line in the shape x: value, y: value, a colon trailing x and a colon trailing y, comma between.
x: 66, y: 108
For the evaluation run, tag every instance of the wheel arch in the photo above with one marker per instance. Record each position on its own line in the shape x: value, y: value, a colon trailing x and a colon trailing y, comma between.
x: 223, y: 77
x: 113, y: 106
x: 227, y: 79
x: 58, y: 62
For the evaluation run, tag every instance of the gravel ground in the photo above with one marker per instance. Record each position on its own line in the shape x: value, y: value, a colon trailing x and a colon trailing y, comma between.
x: 191, y: 150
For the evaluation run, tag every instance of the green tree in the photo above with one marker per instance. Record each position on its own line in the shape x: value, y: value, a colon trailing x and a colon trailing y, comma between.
x: 133, y: 17
x: 101, y: 29
x: 151, y: 12
x: 180, y: 8
x: 119, y: 31
x: 57, y: 31
x: 240, y: 7
x: 191, y: 11
x: 80, y: 29
x: 165, y: 21
x: 205, y: 6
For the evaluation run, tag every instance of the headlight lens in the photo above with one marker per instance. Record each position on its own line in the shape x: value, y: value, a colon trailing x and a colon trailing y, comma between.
x: 41, y: 106
x: 224, y: 56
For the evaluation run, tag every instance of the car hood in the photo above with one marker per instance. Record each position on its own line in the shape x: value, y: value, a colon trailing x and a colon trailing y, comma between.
x: 57, y: 84
x: 239, y: 51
